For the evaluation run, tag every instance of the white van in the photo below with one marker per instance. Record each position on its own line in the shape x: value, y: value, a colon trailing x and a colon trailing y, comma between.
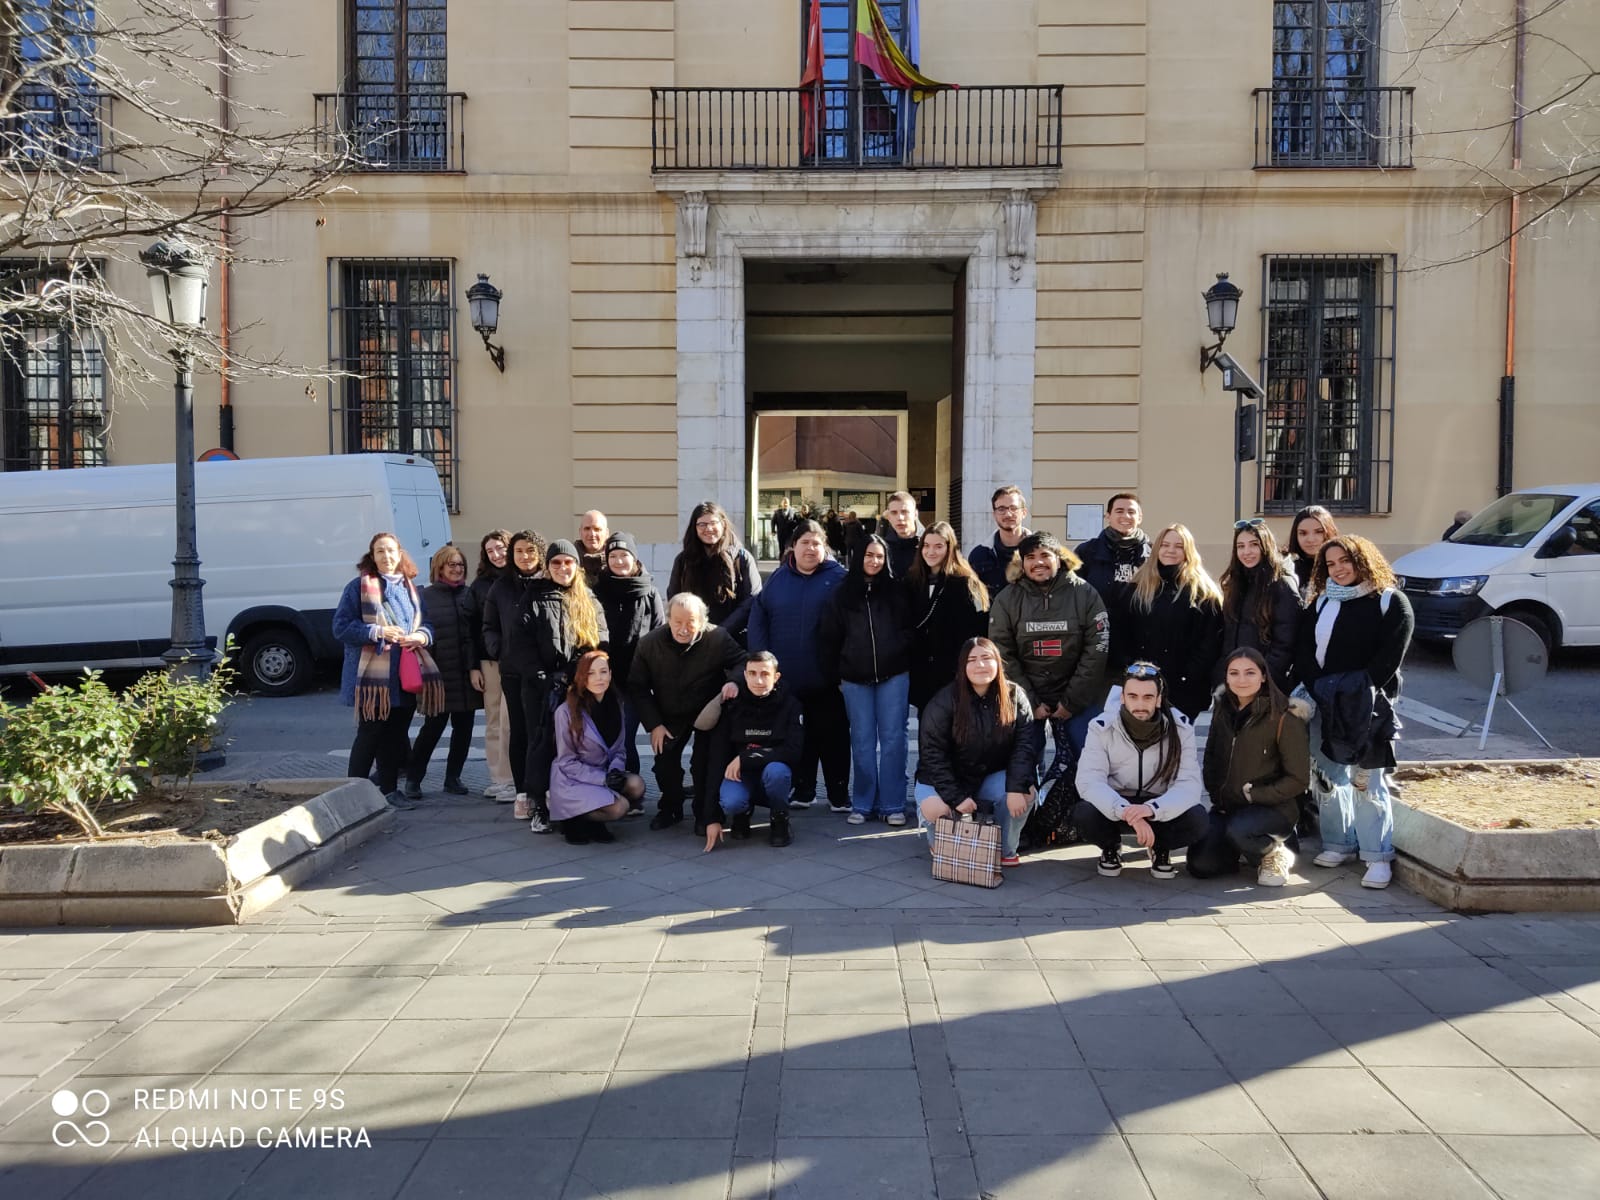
x: 1533, y: 554
x: 88, y: 556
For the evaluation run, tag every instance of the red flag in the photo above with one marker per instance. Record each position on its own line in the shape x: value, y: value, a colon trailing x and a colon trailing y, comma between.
x: 811, y: 81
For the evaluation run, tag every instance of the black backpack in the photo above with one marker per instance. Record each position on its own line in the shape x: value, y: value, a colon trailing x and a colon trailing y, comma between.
x: 1050, y: 823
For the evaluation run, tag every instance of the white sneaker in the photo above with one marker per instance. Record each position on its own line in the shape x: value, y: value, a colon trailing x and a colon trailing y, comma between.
x: 503, y: 793
x: 1332, y: 858
x: 855, y: 818
x: 521, y: 807
x: 896, y: 819
x: 1276, y: 864
x: 1378, y: 875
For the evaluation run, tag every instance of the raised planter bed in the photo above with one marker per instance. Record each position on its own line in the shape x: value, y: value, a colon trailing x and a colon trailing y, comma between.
x: 1496, y: 857
x: 195, y: 881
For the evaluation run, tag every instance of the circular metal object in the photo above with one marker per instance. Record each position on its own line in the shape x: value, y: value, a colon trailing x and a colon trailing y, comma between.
x: 1526, y: 659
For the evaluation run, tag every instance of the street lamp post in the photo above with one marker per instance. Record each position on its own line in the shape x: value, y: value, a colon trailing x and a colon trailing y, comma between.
x: 179, y: 277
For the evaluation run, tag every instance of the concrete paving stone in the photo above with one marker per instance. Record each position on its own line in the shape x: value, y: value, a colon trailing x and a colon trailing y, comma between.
x: 682, y: 1104
x: 1154, y: 1043
x: 173, y: 1174
x: 1008, y: 1040
x: 470, y: 1170
x: 839, y: 1040
x: 297, y: 949
x: 1250, y: 1045
x: 708, y: 1043
x: 1234, y: 990
x: 1364, y: 1166
x: 468, y: 996
x: 1179, y: 940
x: 853, y: 1168
x: 1574, y: 1090
x: 191, y: 1048
x: 1581, y: 982
x: 865, y: 893
x: 1399, y: 940
x: 412, y: 946
x: 528, y: 1104
x: 46, y: 1173
x: 855, y: 941
x: 1488, y: 1100
x: 1286, y: 941
x: 10, y: 1085
x: 351, y: 999
x: 469, y: 849
x: 1328, y: 1100
x: 1051, y: 1168
x: 1079, y: 943
x: 1203, y: 1101
x: 679, y: 875
x: 234, y: 999
x: 1032, y: 1102
x: 963, y: 992
x: 850, y: 1103
x: 1533, y: 1168
x: 314, y: 905
x: 507, y: 947
x: 653, y: 1169
x: 1345, y: 990
x: 1532, y: 1039
x: 584, y: 995
x: 90, y: 1000
x: 1402, y: 1040
x: 404, y: 1047
x: 57, y: 948
x: 368, y: 1174
x: 1129, y: 990
x: 707, y: 994
x: 733, y: 892
x: 1467, y: 989
x: 302, y: 1047
x: 567, y: 1044
x: 1528, y: 937
x: 716, y: 945
x: 846, y: 992
x: 610, y: 945
x: 970, y: 942
x: 188, y: 948
x: 1220, y: 1166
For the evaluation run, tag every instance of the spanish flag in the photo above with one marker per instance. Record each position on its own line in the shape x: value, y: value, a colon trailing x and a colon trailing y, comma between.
x: 876, y: 50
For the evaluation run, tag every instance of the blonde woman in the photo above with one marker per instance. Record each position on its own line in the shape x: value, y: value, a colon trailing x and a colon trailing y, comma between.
x: 1175, y: 619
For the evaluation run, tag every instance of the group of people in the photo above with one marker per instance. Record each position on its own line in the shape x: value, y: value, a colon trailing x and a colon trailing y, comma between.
x: 1112, y: 649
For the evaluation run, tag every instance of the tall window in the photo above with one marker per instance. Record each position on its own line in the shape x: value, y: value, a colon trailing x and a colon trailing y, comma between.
x: 52, y: 388
x: 1328, y: 357
x: 1324, y: 67
x: 394, y: 331
x: 396, y: 81
x: 55, y: 110
x: 860, y: 119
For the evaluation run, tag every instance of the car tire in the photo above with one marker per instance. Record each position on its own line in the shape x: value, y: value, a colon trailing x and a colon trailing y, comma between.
x: 276, y: 662
x: 1536, y: 621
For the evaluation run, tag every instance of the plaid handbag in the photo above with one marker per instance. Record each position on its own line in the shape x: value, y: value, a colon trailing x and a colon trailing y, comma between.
x: 967, y: 851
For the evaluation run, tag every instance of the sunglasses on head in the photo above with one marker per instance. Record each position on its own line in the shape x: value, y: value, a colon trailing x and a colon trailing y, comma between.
x: 1142, y: 670
x: 1250, y: 523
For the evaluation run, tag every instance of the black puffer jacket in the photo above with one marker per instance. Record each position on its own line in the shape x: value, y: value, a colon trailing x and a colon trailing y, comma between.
x: 1180, y: 638
x: 1240, y: 631
x: 453, y: 613
x: 956, y: 769
x: 502, y: 638
x: 866, y: 631
x: 670, y: 682
x: 942, y: 619
x: 1109, y: 563
x: 481, y: 587
x: 527, y: 629
x: 633, y: 608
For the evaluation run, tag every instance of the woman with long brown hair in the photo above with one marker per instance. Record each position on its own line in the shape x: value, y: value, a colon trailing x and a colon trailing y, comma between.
x: 1175, y: 619
x: 979, y: 746
x: 715, y: 567
x: 589, y: 781
x: 1312, y: 526
x: 1260, y: 602
x: 494, y: 561
x: 949, y: 604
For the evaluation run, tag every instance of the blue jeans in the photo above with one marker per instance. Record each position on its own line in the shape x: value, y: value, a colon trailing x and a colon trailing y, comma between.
x: 991, y: 798
x: 776, y: 782
x: 878, y: 744
x: 1351, y: 820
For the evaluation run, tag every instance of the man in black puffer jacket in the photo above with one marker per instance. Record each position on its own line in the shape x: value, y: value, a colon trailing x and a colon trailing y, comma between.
x: 757, y: 745
x: 1110, y: 561
x: 633, y: 607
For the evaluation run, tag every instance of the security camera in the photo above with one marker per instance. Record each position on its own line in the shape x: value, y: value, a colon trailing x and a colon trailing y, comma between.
x: 1236, y: 379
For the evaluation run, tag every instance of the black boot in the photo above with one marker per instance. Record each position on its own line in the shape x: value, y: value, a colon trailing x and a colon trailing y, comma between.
x: 741, y: 825
x: 600, y: 832
x: 413, y: 789
x: 576, y: 831
x: 453, y: 785
x: 666, y: 817
x: 778, y: 832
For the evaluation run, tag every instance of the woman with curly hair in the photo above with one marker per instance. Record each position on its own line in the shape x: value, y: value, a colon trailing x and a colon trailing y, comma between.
x: 1260, y: 602
x: 1311, y: 526
x: 1175, y: 619
x: 1353, y: 638
x: 715, y: 567
x: 494, y: 561
x: 590, y: 785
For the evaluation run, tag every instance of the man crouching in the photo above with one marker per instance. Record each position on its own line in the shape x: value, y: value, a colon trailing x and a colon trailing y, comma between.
x: 759, y: 741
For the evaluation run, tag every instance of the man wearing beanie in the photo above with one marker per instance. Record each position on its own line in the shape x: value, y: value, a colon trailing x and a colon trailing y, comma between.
x: 1053, y: 635
x: 633, y: 608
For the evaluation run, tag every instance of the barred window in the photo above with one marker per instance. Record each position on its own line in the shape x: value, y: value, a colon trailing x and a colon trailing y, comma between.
x: 52, y: 385
x: 396, y: 64
x: 858, y: 119
x: 55, y: 113
x: 1327, y: 424
x: 1326, y: 108
x: 392, y: 328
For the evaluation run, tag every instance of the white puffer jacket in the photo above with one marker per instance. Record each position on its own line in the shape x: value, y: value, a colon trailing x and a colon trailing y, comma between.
x: 1112, y: 771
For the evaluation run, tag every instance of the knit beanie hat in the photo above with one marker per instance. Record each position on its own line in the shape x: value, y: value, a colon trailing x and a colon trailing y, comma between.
x: 621, y: 541
x: 559, y: 547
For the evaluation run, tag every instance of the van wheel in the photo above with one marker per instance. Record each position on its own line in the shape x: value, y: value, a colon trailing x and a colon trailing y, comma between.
x: 276, y: 662
x: 1536, y: 621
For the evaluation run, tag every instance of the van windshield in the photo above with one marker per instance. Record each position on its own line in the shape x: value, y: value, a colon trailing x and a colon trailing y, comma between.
x: 1511, y: 521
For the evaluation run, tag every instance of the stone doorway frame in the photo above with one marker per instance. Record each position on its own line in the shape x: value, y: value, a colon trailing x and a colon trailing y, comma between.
x: 993, y: 230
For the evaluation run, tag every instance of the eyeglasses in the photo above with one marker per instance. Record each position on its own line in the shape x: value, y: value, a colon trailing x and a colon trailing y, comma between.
x: 1250, y: 523
x: 455, y: 564
x: 1008, y: 507
x: 1142, y: 670
x: 711, y: 524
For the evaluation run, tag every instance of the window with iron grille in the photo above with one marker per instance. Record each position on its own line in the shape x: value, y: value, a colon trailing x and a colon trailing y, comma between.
x: 395, y: 90
x: 1327, y: 423
x: 1325, y: 105
x: 52, y: 386
x: 392, y: 327
x: 54, y: 110
x: 859, y: 119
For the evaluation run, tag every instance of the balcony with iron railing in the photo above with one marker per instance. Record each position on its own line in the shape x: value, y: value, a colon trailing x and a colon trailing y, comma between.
x: 854, y: 128
x: 57, y: 126
x: 1334, y: 126
x: 400, y: 132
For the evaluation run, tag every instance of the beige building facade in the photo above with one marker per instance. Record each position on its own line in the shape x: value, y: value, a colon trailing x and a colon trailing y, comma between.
x: 1017, y: 271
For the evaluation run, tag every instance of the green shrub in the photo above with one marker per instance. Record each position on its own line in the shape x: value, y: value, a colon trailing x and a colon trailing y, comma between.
x: 177, y: 719
x: 68, y: 751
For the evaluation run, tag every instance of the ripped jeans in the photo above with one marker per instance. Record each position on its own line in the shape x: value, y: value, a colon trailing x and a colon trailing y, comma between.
x: 1353, y: 806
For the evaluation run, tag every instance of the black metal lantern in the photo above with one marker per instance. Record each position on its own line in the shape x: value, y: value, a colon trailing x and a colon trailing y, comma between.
x: 483, y: 308
x: 179, y: 278
x: 1222, y: 314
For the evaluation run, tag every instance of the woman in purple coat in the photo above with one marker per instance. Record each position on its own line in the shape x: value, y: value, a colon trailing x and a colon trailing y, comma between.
x: 589, y: 784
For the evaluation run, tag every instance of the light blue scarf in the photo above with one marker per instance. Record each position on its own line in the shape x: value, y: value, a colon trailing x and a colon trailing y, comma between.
x: 1337, y: 591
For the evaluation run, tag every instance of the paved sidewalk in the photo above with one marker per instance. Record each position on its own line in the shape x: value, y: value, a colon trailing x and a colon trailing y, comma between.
x: 503, y: 1014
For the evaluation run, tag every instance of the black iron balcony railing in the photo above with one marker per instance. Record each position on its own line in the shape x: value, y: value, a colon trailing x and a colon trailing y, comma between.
x: 854, y: 128
x: 401, y: 132
x: 57, y: 126
x: 1333, y: 126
